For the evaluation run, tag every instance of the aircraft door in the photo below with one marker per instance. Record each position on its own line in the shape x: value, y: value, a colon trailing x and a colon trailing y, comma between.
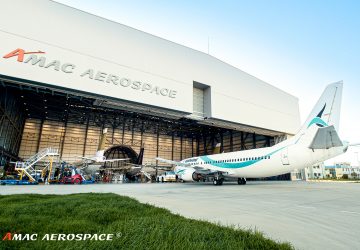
x: 285, y: 156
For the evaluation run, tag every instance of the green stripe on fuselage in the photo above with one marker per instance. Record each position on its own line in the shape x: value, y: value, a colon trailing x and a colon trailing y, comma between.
x: 235, y: 164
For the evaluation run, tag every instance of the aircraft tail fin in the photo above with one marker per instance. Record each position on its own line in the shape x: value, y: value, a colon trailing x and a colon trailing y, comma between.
x: 101, y: 148
x: 217, y: 148
x: 140, y: 157
x: 326, y: 112
x: 102, y: 140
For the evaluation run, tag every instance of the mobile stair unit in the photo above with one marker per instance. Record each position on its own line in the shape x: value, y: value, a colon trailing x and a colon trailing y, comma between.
x: 27, y: 168
x: 147, y: 175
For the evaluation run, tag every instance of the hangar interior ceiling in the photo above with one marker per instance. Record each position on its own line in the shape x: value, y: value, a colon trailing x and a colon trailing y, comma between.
x: 33, y: 118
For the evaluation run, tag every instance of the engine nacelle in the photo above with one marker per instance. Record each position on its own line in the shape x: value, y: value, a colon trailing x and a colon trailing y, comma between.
x: 190, y: 175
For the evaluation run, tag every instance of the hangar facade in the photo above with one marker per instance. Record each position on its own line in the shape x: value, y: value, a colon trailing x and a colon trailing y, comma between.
x: 66, y: 74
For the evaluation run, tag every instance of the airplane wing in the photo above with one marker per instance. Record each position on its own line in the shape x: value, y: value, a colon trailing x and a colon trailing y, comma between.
x: 133, y: 165
x: 113, y: 160
x: 326, y: 138
x: 85, y: 158
x: 207, y: 171
x: 177, y: 163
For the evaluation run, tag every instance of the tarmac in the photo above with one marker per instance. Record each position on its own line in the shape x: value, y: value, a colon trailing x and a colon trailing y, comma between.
x: 309, y: 215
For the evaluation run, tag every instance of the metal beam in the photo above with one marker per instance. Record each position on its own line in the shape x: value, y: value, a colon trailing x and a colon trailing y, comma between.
x: 254, y: 140
x: 86, y: 134
x: 172, y: 145
x: 40, y: 133
x: 123, y: 131
x: 63, y: 137
x: 9, y: 118
x: 181, y: 147
x: 197, y: 145
x: 204, y: 140
x: 141, y: 134
x: 157, y: 142
x: 222, y: 141
x: 132, y: 131
x: 192, y: 146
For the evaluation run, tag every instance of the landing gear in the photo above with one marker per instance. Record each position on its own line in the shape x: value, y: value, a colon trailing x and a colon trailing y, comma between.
x: 241, y: 181
x: 218, y: 181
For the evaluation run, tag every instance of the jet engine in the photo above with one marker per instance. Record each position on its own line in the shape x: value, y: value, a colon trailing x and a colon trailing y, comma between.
x: 190, y: 175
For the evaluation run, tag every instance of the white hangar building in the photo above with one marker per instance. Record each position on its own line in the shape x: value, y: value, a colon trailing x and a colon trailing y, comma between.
x: 66, y: 74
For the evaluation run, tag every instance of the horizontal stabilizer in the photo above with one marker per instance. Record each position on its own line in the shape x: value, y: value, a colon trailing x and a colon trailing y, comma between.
x: 326, y: 138
x: 114, y: 160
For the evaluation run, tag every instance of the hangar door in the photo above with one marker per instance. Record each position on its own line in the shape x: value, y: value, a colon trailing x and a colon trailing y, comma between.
x: 198, y: 102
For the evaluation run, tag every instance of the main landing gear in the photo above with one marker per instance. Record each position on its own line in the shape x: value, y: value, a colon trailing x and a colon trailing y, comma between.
x: 218, y: 180
x: 241, y: 181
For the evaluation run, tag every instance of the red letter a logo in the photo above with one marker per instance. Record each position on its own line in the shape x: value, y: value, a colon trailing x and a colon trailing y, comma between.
x: 20, y: 54
x: 7, y: 236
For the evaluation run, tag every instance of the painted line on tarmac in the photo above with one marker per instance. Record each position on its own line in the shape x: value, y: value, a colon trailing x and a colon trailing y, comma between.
x: 350, y: 212
x: 306, y: 207
x: 269, y: 202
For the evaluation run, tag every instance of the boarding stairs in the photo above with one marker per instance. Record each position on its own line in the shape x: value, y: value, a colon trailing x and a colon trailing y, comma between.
x: 28, y: 167
x: 146, y: 174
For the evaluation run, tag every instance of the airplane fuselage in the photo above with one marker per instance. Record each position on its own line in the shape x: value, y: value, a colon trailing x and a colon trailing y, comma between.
x: 282, y: 158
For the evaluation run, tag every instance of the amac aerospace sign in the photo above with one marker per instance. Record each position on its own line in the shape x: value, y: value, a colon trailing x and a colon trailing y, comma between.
x: 37, y: 58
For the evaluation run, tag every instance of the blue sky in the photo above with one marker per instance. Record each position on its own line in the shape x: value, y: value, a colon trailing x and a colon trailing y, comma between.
x: 297, y: 46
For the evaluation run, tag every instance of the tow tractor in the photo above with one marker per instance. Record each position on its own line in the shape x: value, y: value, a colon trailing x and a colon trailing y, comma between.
x: 168, y: 176
x: 72, y: 175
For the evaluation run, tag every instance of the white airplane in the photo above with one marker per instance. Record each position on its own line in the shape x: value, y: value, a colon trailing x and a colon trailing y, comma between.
x: 90, y: 165
x: 316, y: 141
x: 99, y: 156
